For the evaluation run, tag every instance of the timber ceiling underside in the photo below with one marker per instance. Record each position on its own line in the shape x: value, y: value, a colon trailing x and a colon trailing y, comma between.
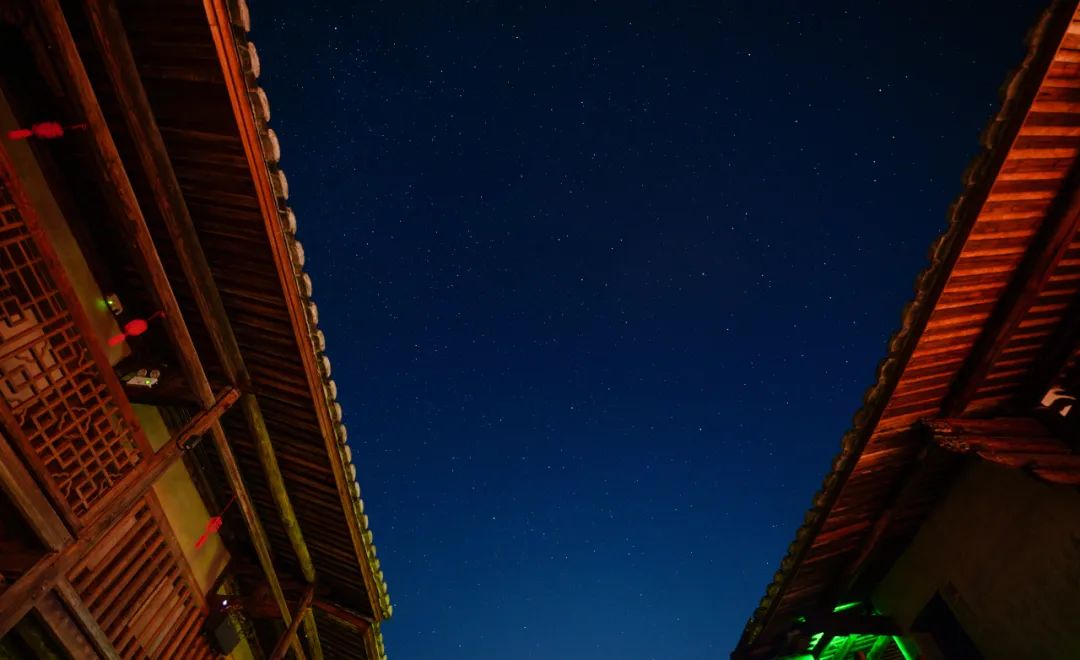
x: 185, y: 84
x: 993, y: 325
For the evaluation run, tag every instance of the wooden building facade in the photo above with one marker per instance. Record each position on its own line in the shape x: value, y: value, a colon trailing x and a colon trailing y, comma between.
x: 949, y: 525
x: 174, y: 475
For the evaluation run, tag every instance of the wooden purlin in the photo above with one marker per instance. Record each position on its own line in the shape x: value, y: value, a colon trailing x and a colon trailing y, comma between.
x: 129, y: 211
x: 120, y: 65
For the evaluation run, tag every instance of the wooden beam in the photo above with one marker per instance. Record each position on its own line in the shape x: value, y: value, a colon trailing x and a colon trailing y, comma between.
x: 994, y: 434
x: 111, y: 38
x: 49, y: 571
x: 354, y: 620
x: 85, y: 619
x: 69, y: 63
x: 24, y: 492
x: 303, y: 609
x: 1022, y: 443
x: 67, y: 631
x: 261, y: 608
x: 1043, y: 254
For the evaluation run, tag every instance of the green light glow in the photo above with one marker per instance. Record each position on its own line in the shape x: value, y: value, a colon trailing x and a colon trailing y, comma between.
x: 102, y: 304
x: 907, y: 648
x: 847, y: 606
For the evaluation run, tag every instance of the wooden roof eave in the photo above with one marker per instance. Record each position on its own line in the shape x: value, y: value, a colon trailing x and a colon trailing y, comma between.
x: 240, y: 66
x: 997, y: 139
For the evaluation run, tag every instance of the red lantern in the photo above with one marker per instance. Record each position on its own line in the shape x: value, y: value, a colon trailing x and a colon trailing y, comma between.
x: 133, y: 328
x: 213, y: 525
x: 45, y: 130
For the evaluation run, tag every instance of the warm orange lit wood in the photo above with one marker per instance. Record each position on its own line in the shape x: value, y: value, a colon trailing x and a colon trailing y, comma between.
x: 44, y: 575
x: 303, y: 608
x: 128, y: 209
x: 120, y: 65
x: 261, y: 608
x: 1047, y: 249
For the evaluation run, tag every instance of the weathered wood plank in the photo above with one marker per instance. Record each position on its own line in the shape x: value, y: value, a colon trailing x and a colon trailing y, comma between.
x: 303, y: 610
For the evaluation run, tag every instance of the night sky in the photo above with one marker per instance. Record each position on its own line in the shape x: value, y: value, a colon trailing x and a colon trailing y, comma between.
x: 603, y: 284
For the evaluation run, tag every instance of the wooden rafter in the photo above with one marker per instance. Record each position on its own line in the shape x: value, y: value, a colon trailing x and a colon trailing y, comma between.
x: 86, y: 620
x: 71, y: 68
x: 303, y: 609
x: 49, y: 571
x: 65, y: 627
x: 1046, y: 250
x: 108, y: 30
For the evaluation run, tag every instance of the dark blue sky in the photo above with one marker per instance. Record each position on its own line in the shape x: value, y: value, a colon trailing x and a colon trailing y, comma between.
x: 603, y: 284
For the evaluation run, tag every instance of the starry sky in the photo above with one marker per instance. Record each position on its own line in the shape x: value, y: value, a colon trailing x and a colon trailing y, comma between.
x: 604, y: 282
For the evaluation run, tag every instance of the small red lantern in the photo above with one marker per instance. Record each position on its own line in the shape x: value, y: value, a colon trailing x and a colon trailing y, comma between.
x: 45, y: 130
x: 133, y: 328
x: 213, y: 525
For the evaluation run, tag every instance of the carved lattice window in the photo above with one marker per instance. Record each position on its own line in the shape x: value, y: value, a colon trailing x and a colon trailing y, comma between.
x: 55, y: 396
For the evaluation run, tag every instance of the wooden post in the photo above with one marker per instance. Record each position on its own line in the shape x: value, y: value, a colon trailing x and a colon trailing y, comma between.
x: 64, y: 52
x: 303, y: 608
x: 120, y: 64
x: 67, y: 631
x: 86, y: 620
x: 20, y: 487
x: 49, y: 571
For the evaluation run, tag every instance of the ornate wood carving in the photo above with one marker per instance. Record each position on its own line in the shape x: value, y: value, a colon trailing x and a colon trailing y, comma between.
x: 59, y: 399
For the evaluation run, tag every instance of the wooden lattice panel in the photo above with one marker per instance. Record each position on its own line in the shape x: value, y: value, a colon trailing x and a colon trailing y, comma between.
x: 135, y: 584
x: 55, y: 397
